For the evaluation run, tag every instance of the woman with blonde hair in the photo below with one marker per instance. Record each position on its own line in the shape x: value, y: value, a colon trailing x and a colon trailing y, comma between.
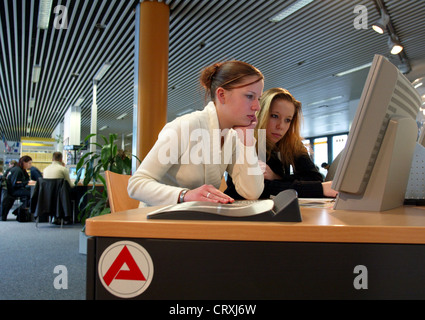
x: 281, y: 115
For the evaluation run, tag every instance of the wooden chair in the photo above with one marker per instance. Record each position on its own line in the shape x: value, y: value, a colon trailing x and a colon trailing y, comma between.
x: 119, y: 200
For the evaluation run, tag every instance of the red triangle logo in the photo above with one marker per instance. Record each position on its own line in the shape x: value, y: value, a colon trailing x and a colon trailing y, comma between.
x: 115, y: 272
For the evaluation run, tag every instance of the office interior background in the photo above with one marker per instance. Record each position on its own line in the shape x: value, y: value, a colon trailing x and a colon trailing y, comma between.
x: 320, y: 50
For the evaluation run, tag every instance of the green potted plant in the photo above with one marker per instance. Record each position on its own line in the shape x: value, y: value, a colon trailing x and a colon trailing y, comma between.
x: 94, y: 201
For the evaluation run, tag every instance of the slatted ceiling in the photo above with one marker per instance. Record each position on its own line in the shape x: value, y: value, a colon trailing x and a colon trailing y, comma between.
x: 322, y: 35
x: 225, y: 20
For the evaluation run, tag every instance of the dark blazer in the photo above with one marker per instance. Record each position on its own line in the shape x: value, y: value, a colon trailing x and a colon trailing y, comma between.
x: 306, y: 180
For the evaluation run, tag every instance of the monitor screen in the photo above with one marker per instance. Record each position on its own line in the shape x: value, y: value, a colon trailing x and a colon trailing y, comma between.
x: 374, y: 167
x: 73, y: 172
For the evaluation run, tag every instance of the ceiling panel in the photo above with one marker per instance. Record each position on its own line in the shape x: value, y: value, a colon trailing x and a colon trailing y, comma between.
x: 301, y: 53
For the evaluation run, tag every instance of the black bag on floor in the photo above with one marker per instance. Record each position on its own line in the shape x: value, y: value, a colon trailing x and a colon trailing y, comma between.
x: 23, y: 215
x: 6, y: 204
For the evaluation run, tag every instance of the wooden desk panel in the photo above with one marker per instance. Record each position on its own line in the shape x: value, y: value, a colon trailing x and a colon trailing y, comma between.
x: 402, y: 225
x: 313, y: 259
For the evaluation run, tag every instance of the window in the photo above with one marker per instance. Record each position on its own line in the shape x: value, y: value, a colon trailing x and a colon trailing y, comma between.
x: 325, y: 149
x: 338, y: 144
x: 320, y: 153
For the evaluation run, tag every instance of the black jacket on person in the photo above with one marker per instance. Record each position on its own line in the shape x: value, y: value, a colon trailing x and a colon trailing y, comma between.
x: 306, y: 180
x: 17, y: 179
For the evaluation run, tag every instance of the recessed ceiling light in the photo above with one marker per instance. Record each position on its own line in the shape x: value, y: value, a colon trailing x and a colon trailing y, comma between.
x: 31, y: 103
x: 290, y: 10
x: 367, y: 65
x: 44, y: 12
x: 105, y: 67
x: 79, y: 102
x: 324, y: 101
x: 122, y: 116
x: 100, y: 26
x: 36, y: 71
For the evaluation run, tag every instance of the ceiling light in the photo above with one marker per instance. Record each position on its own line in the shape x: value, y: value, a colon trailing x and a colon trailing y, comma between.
x: 31, y: 103
x: 290, y: 10
x: 404, y: 66
x: 100, y: 26
x: 122, y: 116
x: 103, y: 128
x: 367, y: 65
x: 44, y: 12
x: 324, y: 101
x: 395, y: 45
x: 418, y: 85
x: 36, y: 70
x: 29, y: 119
x: 79, y: 102
x: 184, y: 112
x: 381, y: 25
x: 105, y: 67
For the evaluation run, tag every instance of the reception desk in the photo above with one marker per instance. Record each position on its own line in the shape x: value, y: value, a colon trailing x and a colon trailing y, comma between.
x: 329, y: 255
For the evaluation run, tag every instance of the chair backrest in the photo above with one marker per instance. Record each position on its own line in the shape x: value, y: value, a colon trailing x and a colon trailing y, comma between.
x: 119, y: 200
x: 51, y: 196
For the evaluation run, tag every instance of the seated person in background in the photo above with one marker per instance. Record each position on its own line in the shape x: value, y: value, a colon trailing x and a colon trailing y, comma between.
x: 281, y: 115
x: 234, y: 88
x: 19, y: 178
x: 57, y: 169
x: 35, y: 173
x: 12, y: 164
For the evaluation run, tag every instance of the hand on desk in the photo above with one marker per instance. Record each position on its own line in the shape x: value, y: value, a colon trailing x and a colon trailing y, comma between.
x: 328, y: 191
x: 207, y: 193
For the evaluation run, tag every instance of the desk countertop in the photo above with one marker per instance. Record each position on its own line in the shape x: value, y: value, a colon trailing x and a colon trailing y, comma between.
x: 401, y: 225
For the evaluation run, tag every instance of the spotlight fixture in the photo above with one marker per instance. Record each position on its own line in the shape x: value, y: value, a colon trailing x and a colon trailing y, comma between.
x: 381, y: 25
x: 404, y: 65
x: 395, y: 45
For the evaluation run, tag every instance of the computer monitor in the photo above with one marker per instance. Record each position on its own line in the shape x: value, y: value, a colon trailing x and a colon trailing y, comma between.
x: 374, y: 168
x: 73, y: 172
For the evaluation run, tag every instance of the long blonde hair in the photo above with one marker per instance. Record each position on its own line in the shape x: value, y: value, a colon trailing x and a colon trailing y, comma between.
x: 291, y: 145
